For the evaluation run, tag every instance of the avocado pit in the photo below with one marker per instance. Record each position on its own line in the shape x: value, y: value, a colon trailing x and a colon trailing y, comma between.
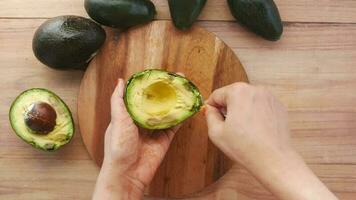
x: 41, y: 118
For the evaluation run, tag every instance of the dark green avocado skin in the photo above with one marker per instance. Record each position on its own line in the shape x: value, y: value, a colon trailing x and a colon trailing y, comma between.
x: 120, y: 14
x: 185, y: 12
x: 260, y: 16
x: 67, y: 42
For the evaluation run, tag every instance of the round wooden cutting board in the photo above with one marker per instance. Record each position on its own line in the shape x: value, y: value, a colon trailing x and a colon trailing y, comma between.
x: 192, y: 161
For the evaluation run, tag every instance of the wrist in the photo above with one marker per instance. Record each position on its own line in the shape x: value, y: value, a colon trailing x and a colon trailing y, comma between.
x: 280, y: 162
x: 274, y: 161
x: 264, y: 156
x: 287, y: 176
x: 120, y: 181
x: 270, y: 163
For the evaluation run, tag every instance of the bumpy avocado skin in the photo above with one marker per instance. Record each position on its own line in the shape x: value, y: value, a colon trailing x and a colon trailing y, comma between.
x: 120, y: 14
x: 196, y: 108
x: 67, y: 42
x: 260, y: 16
x: 185, y: 12
x: 34, y: 143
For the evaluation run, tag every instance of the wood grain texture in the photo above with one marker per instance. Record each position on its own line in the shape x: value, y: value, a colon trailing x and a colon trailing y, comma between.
x: 239, y: 184
x: 192, y: 162
x: 340, y: 11
x: 312, y: 70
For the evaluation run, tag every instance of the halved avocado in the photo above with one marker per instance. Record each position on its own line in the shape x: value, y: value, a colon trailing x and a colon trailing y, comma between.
x: 67, y: 42
x: 42, y: 119
x: 158, y: 99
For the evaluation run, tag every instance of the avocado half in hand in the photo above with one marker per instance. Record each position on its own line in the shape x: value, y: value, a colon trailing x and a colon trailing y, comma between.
x: 42, y: 119
x: 157, y: 99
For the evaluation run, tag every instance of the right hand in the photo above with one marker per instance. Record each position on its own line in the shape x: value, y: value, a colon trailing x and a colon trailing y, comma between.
x: 254, y: 132
x: 255, y: 125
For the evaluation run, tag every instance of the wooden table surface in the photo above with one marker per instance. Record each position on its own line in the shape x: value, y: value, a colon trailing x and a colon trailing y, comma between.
x: 312, y: 70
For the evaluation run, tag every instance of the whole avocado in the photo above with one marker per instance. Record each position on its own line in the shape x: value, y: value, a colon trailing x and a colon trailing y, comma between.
x: 120, y: 13
x: 67, y: 42
x: 260, y: 16
x: 185, y: 12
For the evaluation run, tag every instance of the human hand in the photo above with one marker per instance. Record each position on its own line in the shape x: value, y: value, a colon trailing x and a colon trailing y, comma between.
x: 255, y: 133
x: 132, y: 155
x: 255, y: 124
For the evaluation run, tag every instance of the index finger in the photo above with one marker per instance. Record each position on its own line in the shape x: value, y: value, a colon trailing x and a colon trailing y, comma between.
x: 219, y: 97
x: 227, y: 94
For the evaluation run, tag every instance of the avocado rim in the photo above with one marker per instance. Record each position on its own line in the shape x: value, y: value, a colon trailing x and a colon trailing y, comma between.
x: 196, y: 108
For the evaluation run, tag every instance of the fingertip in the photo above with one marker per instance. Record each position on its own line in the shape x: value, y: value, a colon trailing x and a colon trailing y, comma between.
x: 117, y: 95
x: 117, y: 90
x: 118, y: 108
x: 211, y: 100
x: 215, y: 120
x: 208, y: 101
x: 181, y: 74
x: 207, y: 109
x: 203, y: 108
x: 121, y: 87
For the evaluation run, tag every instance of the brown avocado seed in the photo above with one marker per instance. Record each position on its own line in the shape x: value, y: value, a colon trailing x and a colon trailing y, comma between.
x: 41, y: 118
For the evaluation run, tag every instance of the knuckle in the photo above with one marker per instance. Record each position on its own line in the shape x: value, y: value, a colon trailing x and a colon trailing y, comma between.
x: 241, y: 89
x: 239, y: 86
x: 214, y: 93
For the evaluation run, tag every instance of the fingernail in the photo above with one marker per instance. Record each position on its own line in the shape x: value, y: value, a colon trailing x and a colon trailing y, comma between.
x: 119, y: 83
x: 205, y: 109
x: 180, y: 73
x: 122, y: 82
x: 120, y: 87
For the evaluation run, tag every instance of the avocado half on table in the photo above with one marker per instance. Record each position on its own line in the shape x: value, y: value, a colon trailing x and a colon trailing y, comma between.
x: 157, y: 99
x: 41, y: 119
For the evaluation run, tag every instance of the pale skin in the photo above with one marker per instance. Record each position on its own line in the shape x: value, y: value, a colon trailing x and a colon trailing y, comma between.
x: 253, y: 131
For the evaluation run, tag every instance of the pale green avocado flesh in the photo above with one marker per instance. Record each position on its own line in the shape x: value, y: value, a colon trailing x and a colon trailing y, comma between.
x: 158, y: 99
x: 59, y: 135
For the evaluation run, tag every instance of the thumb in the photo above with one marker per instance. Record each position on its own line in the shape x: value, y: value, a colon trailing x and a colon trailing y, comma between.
x: 118, y: 108
x: 215, y: 120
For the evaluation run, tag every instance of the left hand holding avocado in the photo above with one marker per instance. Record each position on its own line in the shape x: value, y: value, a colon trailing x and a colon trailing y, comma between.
x: 132, y: 156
